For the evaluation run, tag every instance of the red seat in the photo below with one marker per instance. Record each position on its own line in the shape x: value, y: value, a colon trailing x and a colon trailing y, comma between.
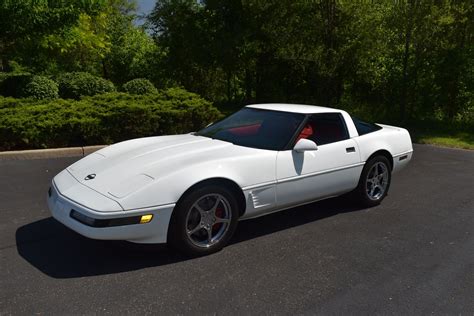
x: 306, y: 132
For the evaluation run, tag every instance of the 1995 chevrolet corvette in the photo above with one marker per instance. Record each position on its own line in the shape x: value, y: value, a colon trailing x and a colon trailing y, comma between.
x: 191, y: 190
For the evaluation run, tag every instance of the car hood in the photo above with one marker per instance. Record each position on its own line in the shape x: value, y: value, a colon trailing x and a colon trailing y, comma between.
x: 123, y: 168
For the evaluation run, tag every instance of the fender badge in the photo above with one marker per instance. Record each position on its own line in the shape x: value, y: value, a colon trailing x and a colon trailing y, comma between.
x: 90, y: 177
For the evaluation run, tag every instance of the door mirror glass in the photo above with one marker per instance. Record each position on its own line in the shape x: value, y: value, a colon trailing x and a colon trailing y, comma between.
x: 305, y: 145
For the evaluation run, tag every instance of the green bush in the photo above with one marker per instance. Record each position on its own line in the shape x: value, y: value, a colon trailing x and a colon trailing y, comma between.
x: 74, y: 85
x: 100, y: 119
x: 139, y: 86
x: 40, y: 87
x: 12, y: 84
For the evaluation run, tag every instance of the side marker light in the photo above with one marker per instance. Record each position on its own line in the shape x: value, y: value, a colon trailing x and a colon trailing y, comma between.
x: 146, y: 218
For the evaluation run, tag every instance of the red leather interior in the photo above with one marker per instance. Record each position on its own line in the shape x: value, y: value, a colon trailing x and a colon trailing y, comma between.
x: 245, y: 130
x: 306, y: 132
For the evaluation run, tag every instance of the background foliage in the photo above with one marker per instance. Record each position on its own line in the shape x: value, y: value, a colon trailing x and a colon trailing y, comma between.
x: 407, y: 62
x: 404, y: 59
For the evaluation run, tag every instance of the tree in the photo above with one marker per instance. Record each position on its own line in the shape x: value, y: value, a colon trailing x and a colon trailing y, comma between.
x: 23, y: 23
x: 133, y: 52
x: 82, y: 46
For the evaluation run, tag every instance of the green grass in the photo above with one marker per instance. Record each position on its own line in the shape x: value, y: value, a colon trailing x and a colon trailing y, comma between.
x: 444, y: 134
x: 459, y: 140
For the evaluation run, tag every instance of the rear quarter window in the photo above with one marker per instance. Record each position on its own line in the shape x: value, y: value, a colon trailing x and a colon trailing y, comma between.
x: 365, y: 127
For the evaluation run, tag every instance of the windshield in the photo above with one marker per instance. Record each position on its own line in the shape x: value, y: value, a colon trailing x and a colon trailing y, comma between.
x: 256, y: 128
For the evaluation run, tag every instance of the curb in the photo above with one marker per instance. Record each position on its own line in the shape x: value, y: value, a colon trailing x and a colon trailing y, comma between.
x: 49, y: 153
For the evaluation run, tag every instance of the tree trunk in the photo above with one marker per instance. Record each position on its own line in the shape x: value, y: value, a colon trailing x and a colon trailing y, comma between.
x: 4, y: 64
x: 228, y: 79
x: 248, y: 85
x: 453, y: 84
x: 406, y: 56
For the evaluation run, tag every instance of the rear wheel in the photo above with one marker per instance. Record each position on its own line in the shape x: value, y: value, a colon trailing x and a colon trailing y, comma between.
x: 374, y: 181
x: 204, y: 221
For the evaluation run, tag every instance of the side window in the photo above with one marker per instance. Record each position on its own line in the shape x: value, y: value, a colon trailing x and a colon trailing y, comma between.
x: 327, y: 128
x: 364, y: 127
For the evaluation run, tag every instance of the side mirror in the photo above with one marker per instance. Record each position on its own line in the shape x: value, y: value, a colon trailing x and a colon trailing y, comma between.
x: 305, y: 145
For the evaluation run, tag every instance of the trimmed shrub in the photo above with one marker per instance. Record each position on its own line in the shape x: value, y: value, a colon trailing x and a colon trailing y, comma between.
x: 100, y: 119
x: 12, y: 84
x: 139, y: 86
x: 39, y: 88
x: 74, y: 85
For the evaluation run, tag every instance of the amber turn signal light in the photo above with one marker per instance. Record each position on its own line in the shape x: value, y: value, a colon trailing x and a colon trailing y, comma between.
x: 146, y: 218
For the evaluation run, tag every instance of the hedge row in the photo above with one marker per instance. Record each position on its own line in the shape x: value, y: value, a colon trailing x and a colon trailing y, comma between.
x: 101, y: 119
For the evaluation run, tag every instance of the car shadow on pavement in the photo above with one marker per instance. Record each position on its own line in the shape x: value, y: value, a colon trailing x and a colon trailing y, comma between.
x: 61, y: 253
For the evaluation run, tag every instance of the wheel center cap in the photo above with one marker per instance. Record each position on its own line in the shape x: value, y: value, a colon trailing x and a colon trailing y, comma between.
x: 208, y: 220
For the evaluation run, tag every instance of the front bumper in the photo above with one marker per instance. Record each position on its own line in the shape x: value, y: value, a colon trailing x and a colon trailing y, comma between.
x: 154, y: 231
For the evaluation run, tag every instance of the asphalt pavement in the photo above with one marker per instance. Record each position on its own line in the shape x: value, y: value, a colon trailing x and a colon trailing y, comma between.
x: 414, y: 254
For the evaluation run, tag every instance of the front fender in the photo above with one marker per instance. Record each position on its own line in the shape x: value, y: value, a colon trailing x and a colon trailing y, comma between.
x: 168, y: 188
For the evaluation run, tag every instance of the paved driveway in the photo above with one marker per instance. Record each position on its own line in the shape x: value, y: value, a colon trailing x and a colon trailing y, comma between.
x: 412, y: 254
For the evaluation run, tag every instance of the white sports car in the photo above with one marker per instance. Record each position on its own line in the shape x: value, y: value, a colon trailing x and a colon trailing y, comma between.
x: 191, y: 190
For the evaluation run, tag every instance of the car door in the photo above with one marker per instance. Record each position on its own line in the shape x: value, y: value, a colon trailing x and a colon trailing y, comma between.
x: 334, y: 168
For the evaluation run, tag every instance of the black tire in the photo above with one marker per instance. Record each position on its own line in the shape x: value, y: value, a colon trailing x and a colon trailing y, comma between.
x: 177, y: 233
x: 360, y: 193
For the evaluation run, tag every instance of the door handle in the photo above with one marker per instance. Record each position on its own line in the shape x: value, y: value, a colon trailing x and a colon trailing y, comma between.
x: 350, y: 150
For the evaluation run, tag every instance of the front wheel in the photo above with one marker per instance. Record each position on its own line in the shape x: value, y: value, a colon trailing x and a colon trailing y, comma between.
x: 374, y: 181
x: 203, y: 221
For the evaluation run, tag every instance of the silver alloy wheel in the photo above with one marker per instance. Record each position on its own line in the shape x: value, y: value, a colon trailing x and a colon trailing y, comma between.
x: 208, y: 220
x: 377, y: 181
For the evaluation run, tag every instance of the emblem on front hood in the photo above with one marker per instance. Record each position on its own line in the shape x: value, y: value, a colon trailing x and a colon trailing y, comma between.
x: 90, y: 177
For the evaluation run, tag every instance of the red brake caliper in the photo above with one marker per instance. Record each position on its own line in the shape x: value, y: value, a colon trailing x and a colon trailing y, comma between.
x: 219, y: 214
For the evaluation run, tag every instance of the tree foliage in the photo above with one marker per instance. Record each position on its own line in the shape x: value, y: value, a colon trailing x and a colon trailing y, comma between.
x: 396, y: 60
x: 411, y: 58
x: 24, y: 23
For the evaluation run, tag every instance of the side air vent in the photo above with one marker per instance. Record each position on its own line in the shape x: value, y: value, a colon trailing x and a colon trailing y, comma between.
x: 263, y: 197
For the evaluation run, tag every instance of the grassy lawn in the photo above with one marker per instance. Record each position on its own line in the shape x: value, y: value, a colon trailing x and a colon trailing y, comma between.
x: 440, y: 134
x: 458, y: 140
